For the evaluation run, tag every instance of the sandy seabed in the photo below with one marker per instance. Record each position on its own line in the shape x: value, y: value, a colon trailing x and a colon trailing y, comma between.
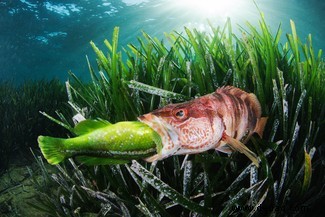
x: 17, y: 190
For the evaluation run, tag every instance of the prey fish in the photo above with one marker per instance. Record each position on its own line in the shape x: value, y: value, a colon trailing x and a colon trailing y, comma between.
x: 223, y: 120
x: 99, y: 142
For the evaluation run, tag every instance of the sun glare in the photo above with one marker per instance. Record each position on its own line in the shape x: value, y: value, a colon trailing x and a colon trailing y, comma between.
x: 211, y: 8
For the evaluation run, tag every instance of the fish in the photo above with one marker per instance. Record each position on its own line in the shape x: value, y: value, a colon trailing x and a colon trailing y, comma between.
x: 99, y: 142
x: 223, y: 120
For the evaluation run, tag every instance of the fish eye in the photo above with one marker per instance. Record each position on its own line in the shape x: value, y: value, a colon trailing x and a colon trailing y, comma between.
x: 180, y: 113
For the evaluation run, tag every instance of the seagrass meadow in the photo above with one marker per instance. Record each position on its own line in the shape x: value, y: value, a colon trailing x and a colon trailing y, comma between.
x: 286, y: 77
x: 20, y: 120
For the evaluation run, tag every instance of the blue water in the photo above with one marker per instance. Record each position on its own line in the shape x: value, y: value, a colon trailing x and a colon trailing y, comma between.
x: 46, y: 39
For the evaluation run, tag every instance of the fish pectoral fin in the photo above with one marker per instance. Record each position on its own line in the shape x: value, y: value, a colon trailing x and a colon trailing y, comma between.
x: 88, y: 126
x: 152, y: 158
x: 259, y: 129
x: 239, y: 146
x: 225, y: 149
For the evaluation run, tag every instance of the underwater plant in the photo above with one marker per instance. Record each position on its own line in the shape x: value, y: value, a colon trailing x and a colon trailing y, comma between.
x: 20, y: 120
x: 286, y: 78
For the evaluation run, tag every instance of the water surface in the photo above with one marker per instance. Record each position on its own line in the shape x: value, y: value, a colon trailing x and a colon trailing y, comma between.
x: 46, y: 39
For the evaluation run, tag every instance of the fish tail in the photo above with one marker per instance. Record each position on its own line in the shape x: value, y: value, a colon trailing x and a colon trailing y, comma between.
x: 52, y: 149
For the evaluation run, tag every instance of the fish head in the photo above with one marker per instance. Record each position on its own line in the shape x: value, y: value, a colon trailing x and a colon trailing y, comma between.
x: 185, y: 128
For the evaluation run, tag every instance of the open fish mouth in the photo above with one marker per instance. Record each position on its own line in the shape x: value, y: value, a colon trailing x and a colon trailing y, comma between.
x: 168, y: 135
x: 155, y: 123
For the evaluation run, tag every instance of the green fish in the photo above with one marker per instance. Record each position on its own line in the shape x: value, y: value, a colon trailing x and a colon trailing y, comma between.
x: 99, y: 142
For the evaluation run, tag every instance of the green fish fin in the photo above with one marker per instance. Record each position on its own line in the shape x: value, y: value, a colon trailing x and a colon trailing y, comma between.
x: 239, y: 146
x: 92, y: 161
x: 52, y: 149
x: 88, y: 126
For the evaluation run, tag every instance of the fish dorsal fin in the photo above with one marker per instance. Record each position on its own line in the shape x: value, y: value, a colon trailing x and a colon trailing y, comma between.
x: 88, y: 126
x: 231, y: 90
x: 255, y: 105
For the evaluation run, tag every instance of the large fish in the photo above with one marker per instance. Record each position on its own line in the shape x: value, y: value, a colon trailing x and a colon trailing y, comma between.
x: 222, y: 120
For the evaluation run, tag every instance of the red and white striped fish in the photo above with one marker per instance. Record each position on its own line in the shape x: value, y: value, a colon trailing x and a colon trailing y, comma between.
x: 222, y: 120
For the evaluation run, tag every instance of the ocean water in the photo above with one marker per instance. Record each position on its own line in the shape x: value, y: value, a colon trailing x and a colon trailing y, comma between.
x: 46, y: 39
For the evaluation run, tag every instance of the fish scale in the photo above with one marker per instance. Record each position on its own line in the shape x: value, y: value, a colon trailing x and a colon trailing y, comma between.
x: 241, y: 114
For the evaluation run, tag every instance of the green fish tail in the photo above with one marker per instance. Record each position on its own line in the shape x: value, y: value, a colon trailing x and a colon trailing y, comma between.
x: 52, y: 149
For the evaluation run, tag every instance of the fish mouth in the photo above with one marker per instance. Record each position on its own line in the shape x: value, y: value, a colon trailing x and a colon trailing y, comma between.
x: 155, y: 123
x: 168, y: 136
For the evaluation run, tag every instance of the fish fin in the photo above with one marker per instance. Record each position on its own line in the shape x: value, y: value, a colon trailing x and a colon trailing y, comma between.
x: 52, y: 149
x: 255, y: 104
x: 91, y: 161
x: 225, y: 149
x: 152, y: 158
x: 259, y: 129
x: 88, y: 126
x: 239, y: 146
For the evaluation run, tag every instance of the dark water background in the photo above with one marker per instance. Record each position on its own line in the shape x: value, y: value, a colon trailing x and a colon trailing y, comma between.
x: 46, y: 39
